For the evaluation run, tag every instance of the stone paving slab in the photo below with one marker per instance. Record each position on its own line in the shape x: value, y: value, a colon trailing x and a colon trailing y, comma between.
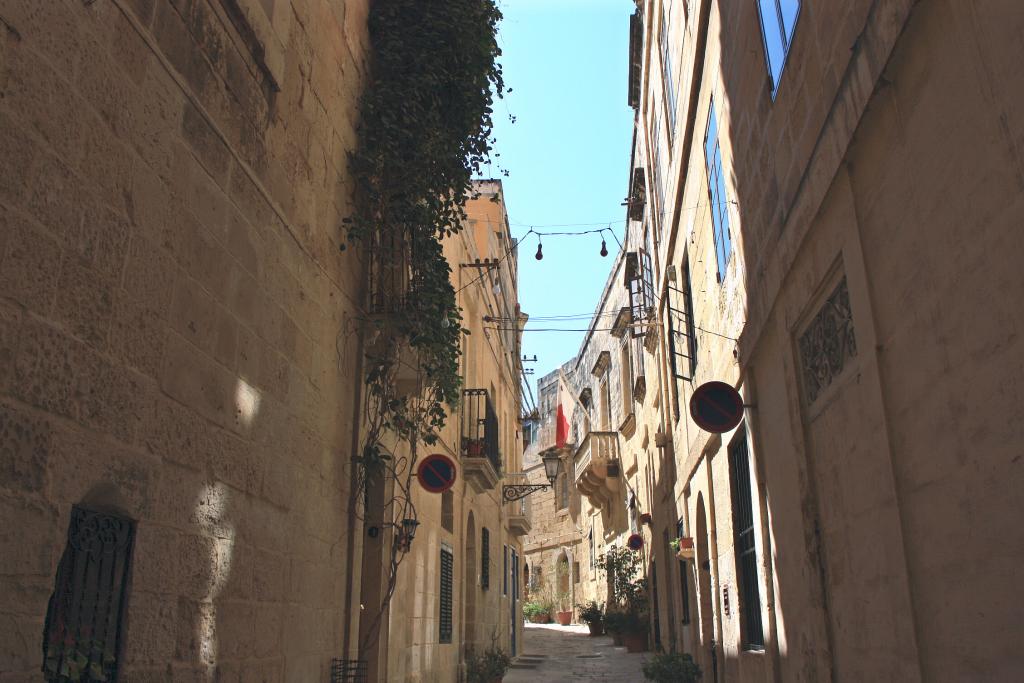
x: 574, y: 656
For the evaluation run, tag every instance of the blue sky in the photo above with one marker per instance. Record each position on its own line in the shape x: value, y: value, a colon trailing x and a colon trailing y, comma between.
x: 567, y: 154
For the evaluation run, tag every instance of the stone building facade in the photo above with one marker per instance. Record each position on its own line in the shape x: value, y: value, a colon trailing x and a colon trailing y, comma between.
x: 831, y: 226
x: 177, y: 357
x: 180, y: 352
x: 459, y: 589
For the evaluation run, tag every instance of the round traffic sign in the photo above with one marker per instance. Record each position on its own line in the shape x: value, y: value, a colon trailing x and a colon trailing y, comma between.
x: 635, y: 542
x: 436, y: 473
x: 716, y: 407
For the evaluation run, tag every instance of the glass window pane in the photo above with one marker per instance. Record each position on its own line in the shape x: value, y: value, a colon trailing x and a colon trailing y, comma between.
x: 712, y: 136
x: 789, y: 9
x: 772, y: 38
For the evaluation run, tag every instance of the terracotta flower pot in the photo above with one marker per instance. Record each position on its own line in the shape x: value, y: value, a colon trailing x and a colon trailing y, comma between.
x: 635, y: 641
x: 564, y: 618
x: 596, y: 628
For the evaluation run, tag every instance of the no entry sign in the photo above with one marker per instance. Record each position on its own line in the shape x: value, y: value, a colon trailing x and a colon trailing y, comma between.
x: 436, y: 473
x: 635, y: 542
x: 716, y: 407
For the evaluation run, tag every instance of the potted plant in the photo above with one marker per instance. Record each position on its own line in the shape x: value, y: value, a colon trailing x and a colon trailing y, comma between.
x: 564, y: 615
x: 592, y: 615
x: 682, y: 547
x: 536, y: 612
x: 613, y: 625
x: 645, y: 518
x: 671, y: 667
x: 487, y: 667
x: 634, y: 631
x: 628, y: 598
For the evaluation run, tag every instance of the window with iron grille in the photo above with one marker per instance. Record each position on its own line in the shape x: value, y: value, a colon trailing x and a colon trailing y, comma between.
x: 718, y: 196
x: 639, y: 281
x: 82, y: 633
x: 684, y: 579
x: 746, y: 551
x: 485, y: 559
x: 445, y: 617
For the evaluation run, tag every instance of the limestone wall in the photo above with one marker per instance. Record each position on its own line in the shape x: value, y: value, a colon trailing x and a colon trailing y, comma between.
x: 174, y: 321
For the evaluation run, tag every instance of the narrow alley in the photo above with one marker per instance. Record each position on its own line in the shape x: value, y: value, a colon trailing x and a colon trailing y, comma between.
x: 569, y: 654
x: 413, y: 341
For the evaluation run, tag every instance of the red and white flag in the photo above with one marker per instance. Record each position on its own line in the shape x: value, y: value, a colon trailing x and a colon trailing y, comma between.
x: 563, y: 413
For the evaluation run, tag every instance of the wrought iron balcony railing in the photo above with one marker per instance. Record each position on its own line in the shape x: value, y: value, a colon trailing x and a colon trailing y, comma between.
x: 480, y: 428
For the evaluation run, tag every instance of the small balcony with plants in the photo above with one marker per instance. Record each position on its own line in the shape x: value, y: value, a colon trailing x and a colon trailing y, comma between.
x: 481, y: 455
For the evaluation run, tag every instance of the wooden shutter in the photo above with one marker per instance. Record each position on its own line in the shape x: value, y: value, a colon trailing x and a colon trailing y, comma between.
x: 445, y: 617
x: 485, y: 559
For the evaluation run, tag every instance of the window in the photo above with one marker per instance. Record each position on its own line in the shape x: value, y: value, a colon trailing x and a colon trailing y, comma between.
x: 82, y: 633
x: 684, y: 579
x: 746, y: 552
x: 718, y: 196
x: 485, y: 559
x: 655, y: 607
x: 504, y: 570
x: 682, y: 334
x: 636, y: 57
x: 778, y: 19
x: 593, y: 555
x: 606, y: 404
x: 565, y: 490
x: 447, y: 514
x: 657, y: 176
x: 626, y: 376
x: 667, y: 74
x: 638, y: 279
x: 631, y: 511
x: 445, y: 618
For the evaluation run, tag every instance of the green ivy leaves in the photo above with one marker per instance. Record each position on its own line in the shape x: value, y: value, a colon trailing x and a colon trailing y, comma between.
x: 425, y: 131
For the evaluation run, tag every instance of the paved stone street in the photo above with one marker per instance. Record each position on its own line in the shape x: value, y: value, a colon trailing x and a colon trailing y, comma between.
x: 569, y: 653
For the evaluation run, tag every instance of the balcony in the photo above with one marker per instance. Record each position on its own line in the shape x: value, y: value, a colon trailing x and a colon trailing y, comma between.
x: 518, y: 511
x: 481, y: 456
x: 597, y: 469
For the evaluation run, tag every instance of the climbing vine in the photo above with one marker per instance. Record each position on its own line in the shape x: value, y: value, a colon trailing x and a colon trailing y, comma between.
x: 425, y: 131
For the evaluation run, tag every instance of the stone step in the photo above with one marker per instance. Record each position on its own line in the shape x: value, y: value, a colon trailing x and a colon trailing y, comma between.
x: 528, y: 661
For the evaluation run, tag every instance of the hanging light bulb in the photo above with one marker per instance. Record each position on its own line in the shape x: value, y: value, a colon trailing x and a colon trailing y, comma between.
x: 540, y: 251
x: 604, y: 248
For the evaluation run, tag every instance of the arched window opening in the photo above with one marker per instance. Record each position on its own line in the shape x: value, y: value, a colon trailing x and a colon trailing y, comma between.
x: 82, y: 632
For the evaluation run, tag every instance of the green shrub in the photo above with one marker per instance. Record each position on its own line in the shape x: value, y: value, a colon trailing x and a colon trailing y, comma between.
x: 534, y: 609
x: 614, y: 622
x: 590, y: 613
x: 487, y: 667
x: 671, y: 667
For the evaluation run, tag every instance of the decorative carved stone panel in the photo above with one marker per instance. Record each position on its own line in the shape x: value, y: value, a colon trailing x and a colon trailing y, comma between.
x: 828, y: 343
